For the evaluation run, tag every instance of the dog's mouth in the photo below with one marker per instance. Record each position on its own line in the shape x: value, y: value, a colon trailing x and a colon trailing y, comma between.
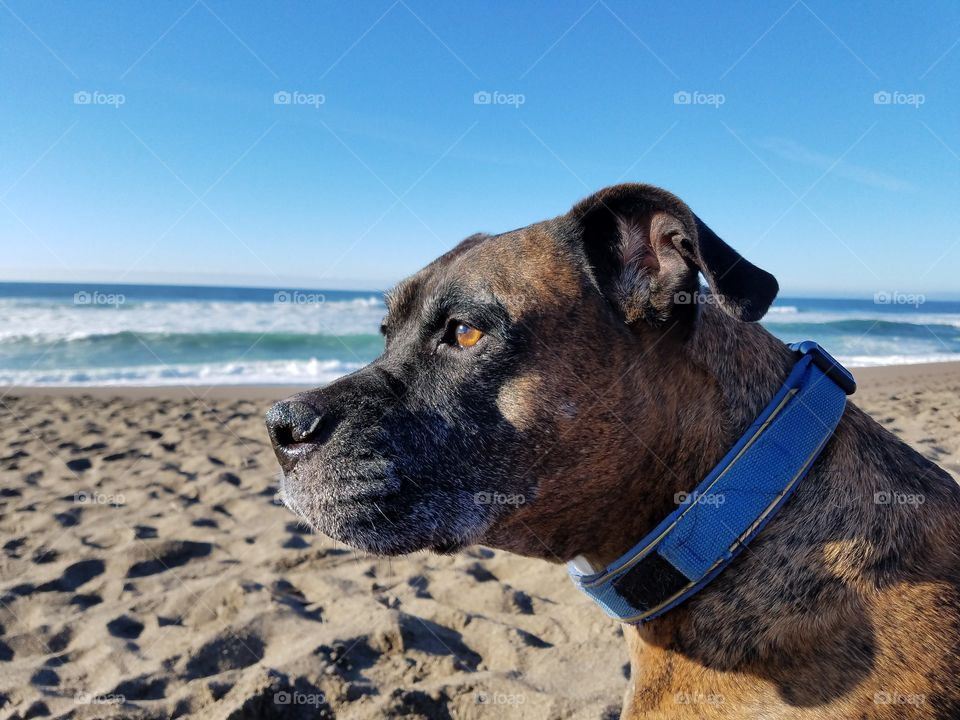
x: 375, y: 515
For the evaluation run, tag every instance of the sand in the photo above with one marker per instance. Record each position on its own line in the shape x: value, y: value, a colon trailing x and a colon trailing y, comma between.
x: 147, y: 571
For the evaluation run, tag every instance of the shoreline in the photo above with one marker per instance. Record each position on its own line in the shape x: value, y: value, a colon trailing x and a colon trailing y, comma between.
x: 867, y: 377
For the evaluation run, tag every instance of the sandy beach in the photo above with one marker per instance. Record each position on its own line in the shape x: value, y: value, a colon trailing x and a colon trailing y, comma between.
x: 148, y: 572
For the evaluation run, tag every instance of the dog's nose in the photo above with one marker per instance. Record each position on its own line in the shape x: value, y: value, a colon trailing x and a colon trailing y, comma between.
x: 290, y: 422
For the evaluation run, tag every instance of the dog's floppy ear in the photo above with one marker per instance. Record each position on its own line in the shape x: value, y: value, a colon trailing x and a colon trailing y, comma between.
x: 646, y: 247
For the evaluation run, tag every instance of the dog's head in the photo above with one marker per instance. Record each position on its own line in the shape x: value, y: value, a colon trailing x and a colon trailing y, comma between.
x: 523, y: 377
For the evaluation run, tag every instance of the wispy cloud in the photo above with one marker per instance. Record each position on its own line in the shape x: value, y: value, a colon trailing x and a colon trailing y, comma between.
x: 795, y: 152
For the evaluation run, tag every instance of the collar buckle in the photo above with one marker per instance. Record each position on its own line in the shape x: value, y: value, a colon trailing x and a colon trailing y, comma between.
x: 827, y: 364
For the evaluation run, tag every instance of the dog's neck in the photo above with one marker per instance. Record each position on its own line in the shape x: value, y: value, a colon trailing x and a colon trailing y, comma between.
x: 735, y: 368
x: 796, y: 590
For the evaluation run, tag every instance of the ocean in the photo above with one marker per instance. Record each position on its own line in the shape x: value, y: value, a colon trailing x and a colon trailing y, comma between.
x: 85, y: 334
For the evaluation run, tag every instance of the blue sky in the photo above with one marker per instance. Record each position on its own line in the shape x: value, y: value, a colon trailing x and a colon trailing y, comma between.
x: 183, y: 168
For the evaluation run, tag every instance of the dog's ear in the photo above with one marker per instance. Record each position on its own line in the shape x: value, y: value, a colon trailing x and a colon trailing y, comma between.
x: 646, y: 248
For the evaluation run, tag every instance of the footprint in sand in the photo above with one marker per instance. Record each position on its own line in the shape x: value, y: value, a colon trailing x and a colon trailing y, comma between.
x: 6, y: 652
x: 70, y: 518
x: 229, y: 477
x: 12, y: 547
x: 419, y: 703
x: 226, y: 652
x: 522, y: 602
x: 531, y: 640
x: 142, y: 687
x: 420, y: 583
x: 13, y: 457
x: 45, y: 677
x: 80, y: 573
x: 85, y: 601
x: 295, y: 542
x: 43, y: 555
x: 290, y: 595
x: 165, y: 555
x: 79, y: 464
x: 479, y: 573
x: 425, y: 635
x: 347, y: 658
x: 59, y: 641
x: 125, y: 627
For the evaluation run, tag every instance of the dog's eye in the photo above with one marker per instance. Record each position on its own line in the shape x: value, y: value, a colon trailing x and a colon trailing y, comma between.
x: 466, y: 335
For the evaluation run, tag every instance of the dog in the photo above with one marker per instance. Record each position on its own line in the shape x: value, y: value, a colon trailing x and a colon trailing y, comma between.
x: 578, y: 363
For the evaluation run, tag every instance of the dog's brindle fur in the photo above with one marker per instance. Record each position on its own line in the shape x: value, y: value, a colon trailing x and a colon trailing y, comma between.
x: 597, y: 393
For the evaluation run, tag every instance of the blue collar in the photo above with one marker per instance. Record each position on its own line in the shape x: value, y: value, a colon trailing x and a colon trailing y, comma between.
x: 740, y: 495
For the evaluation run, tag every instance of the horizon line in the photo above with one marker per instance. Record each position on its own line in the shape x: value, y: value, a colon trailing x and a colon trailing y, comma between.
x: 799, y: 294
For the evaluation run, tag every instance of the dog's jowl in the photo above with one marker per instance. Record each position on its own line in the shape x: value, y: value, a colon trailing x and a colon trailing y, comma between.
x: 578, y: 364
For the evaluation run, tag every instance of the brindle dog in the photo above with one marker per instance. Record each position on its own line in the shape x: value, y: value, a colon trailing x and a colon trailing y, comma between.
x: 577, y: 362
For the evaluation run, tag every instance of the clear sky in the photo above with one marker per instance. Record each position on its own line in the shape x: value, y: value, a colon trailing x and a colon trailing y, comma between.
x: 141, y: 141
